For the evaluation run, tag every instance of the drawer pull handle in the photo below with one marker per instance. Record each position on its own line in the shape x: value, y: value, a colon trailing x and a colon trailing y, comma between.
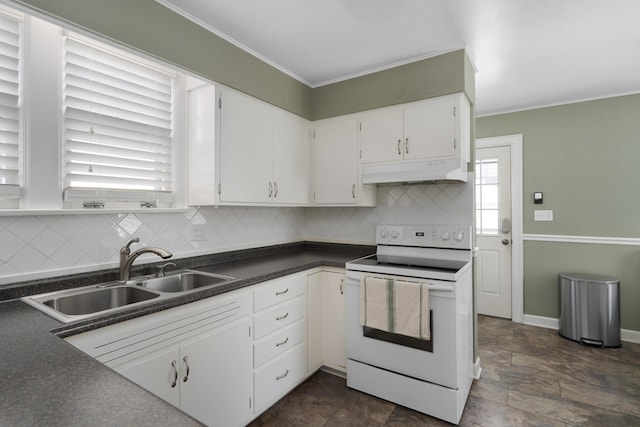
x: 186, y: 364
x: 282, y: 292
x: 283, y: 342
x: 174, y: 382
x: 280, y: 377
x: 283, y: 317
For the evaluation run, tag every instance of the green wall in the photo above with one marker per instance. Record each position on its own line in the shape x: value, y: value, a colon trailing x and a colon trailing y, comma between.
x: 150, y: 27
x: 440, y: 75
x: 583, y: 157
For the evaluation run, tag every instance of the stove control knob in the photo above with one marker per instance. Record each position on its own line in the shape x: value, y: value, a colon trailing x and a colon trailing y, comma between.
x: 384, y: 233
x: 445, y: 235
x: 395, y: 234
x: 458, y: 236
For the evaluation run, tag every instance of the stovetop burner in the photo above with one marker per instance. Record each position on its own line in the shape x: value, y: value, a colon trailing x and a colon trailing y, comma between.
x: 421, y: 251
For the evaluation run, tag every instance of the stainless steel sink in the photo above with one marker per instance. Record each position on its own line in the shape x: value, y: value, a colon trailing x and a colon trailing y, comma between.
x: 98, y: 300
x: 183, y: 281
x: 90, y: 301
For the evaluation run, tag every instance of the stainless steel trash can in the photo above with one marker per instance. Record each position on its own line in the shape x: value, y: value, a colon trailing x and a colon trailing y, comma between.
x: 590, y: 309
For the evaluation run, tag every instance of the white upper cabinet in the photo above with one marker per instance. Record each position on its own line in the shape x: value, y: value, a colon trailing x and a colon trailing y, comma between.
x: 429, y: 129
x: 425, y: 129
x: 413, y: 136
x: 381, y: 136
x: 246, y: 155
x: 201, y: 143
x: 291, y: 159
x: 336, y: 167
x: 243, y: 151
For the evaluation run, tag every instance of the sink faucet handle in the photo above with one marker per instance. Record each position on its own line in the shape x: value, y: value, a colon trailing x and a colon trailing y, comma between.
x: 161, y: 267
x: 125, y: 248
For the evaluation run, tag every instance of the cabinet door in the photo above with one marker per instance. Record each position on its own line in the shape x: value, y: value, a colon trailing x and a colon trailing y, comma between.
x: 336, y: 162
x: 314, y: 321
x: 217, y: 367
x: 201, y: 179
x: 334, y: 326
x: 429, y: 129
x: 381, y: 136
x: 157, y: 373
x: 291, y: 159
x: 245, y: 149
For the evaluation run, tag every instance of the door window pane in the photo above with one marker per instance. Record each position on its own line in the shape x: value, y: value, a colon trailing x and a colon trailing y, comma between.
x: 487, y: 197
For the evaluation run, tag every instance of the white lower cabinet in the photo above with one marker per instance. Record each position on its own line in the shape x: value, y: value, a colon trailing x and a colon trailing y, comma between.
x: 268, y: 348
x: 207, y: 377
x: 326, y: 327
x: 226, y: 359
x: 197, y: 357
x: 158, y: 373
x: 279, y: 348
x: 279, y: 376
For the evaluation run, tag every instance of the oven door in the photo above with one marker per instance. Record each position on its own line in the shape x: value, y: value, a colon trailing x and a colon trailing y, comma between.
x: 436, y: 363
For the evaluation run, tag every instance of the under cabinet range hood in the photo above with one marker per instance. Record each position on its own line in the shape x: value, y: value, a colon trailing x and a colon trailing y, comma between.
x: 453, y: 169
x: 422, y: 141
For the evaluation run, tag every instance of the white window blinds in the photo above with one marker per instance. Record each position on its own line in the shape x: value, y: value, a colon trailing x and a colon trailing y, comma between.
x: 118, y: 126
x: 10, y: 135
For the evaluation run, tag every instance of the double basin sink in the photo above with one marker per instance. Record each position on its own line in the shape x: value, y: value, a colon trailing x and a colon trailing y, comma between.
x: 105, y: 298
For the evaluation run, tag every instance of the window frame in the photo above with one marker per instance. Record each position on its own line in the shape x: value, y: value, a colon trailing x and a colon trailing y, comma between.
x: 11, y: 193
x: 77, y: 197
x: 41, y: 190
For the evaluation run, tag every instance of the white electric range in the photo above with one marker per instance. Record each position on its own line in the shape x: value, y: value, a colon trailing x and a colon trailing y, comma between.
x: 431, y: 376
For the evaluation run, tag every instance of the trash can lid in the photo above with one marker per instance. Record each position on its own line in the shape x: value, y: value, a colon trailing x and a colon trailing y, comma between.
x: 584, y: 277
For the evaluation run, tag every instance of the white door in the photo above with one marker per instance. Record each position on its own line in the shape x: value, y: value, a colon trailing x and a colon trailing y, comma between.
x: 493, y: 231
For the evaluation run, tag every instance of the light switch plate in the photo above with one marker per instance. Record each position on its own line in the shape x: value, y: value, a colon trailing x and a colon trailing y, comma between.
x: 539, y: 215
x: 198, y: 232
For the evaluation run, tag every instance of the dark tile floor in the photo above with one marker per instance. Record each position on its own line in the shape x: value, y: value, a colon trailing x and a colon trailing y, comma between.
x: 531, y: 377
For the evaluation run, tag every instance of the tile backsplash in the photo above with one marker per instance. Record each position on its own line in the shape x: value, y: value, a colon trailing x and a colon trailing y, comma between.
x: 48, y: 245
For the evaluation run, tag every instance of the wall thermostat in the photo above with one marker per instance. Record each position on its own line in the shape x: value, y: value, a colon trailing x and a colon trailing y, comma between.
x: 537, y: 198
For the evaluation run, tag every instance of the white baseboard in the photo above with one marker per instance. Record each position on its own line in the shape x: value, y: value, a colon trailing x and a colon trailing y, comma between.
x: 627, y: 335
x: 477, y: 369
x: 542, y: 322
x: 630, y: 336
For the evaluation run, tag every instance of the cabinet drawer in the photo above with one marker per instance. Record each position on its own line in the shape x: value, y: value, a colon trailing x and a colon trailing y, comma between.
x: 279, y: 316
x: 278, y: 343
x: 277, y: 291
x: 279, y: 376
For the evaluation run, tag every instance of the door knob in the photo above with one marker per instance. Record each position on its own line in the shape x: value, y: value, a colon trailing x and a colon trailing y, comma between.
x: 505, y: 241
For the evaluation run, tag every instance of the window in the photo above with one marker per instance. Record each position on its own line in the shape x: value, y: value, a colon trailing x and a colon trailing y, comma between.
x: 487, y: 199
x: 10, y: 110
x: 118, y: 127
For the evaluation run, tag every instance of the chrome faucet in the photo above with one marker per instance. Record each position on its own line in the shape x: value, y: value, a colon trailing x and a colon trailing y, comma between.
x: 127, y: 258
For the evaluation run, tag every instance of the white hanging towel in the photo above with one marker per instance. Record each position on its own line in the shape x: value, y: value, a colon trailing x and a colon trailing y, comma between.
x: 399, y: 307
x: 374, y: 306
x: 412, y: 309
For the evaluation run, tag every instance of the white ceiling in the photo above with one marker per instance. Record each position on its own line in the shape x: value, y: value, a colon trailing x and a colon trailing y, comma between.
x: 527, y: 53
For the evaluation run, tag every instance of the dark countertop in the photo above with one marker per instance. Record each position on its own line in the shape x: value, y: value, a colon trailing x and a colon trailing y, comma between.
x: 46, y: 381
